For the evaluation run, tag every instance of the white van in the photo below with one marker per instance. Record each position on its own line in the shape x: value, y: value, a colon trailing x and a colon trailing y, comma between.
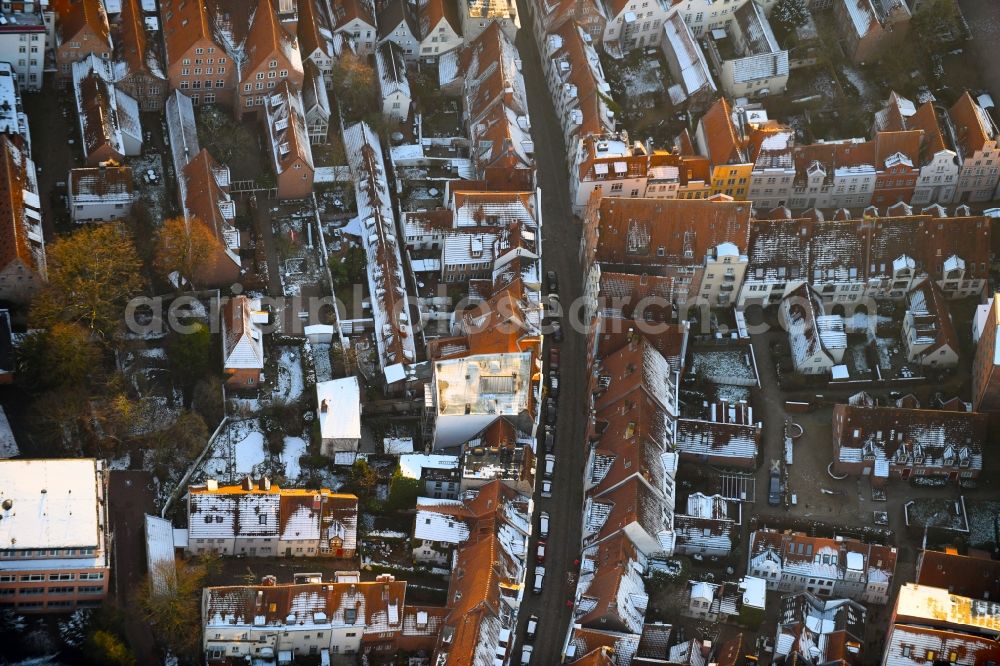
x: 532, y: 628
x: 543, y: 524
x: 539, y: 579
x: 550, y: 465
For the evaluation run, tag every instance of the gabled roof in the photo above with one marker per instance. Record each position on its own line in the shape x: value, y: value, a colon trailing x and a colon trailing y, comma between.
x: 632, y: 232
x: 75, y: 16
x: 970, y: 650
x: 637, y: 366
x: 810, y: 628
x: 973, y: 127
x: 268, y: 39
x: 611, y: 593
x: 345, y: 11
x: 967, y: 576
x: 18, y: 192
x: 395, y: 13
x: 723, y: 146
x: 314, y: 29
x: 243, y: 344
x: 286, y: 126
x: 206, y: 186
x: 138, y: 54
x: 433, y: 11
x: 907, y: 143
x: 930, y: 318
x: 184, y: 24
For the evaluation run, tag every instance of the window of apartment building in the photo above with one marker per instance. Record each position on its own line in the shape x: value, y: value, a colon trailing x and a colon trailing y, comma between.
x: 60, y: 576
x: 616, y: 187
x: 260, y: 86
x: 209, y: 70
x: 219, y: 83
x: 209, y: 98
x: 185, y: 72
x: 90, y: 589
x: 64, y: 589
x: 208, y: 83
x: 272, y: 64
x: 196, y: 85
x: 197, y: 71
x: 222, y: 61
x: 92, y: 576
x: 31, y: 590
x: 186, y: 61
x: 184, y: 85
x: 32, y: 577
x: 199, y: 51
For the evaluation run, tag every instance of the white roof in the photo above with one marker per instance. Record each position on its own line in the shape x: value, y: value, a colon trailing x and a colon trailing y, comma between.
x: 840, y: 372
x: 690, y: 60
x: 54, y: 503
x: 754, y: 591
x: 160, y: 553
x: 342, y: 419
x: 411, y: 465
x: 434, y: 526
x: 495, y: 384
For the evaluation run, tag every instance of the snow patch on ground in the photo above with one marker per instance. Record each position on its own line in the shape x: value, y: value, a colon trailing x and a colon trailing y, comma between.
x: 295, y: 448
x: 238, y: 450
x: 646, y: 78
x: 290, y: 381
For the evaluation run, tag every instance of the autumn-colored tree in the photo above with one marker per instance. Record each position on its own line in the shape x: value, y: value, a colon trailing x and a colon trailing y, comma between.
x: 184, y: 247
x: 174, y: 608
x: 354, y: 86
x: 106, y: 648
x: 63, y: 355
x: 93, y: 273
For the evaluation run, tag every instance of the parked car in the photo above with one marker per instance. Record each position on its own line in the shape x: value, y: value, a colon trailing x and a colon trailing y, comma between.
x: 532, y: 629
x: 774, y: 488
x: 557, y: 334
x: 539, y: 579
x: 550, y: 440
x: 543, y: 524
x: 553, y: 358
x: 526, y: 655
x: 554, y: 384
x: 552, y: 282
x: 550, y: 411
x: 546, y: 488
x: 540, y: 553
x: 550, y: 465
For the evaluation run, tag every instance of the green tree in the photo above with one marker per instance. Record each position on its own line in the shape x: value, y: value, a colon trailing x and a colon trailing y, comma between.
x: 207, y: 399
x: 63, y: 355
x: 188, y: 353
x: 788, y: 15
x: 227, y: 140
x: 107, y: 649
x: 92, y: 275
x: 403, y: 492
x: 937, y: 23
x: 363, y: 479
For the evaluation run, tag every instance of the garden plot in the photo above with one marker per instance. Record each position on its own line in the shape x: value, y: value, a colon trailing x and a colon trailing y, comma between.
x: 299, y: 264
x: 295, y: 448
x: 984, y: 523
x: 289, y: 382
x: 731, y: 367
x: 642, y: 78
x: 153, y: 193
x: 238, y: 451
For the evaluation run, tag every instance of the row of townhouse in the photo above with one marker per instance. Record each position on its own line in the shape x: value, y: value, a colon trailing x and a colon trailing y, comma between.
x: 260, y: 519
x: 423, y: 31
x: 846, y: 260
x: 894, y: 442
x: 948, y: 614
x: 486, y: 73
x: 837, y: 567
x: 320, y: 620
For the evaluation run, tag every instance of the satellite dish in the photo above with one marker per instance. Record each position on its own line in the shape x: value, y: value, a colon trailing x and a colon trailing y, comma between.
x: 397, y: 136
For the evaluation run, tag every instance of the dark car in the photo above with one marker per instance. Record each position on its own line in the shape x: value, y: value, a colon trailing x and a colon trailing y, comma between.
x: 774, y: 487
x: 554, y: 358
x: 557, y: 333
x: 552, y: 281
x: 550, y: 411
x: 550, y: 440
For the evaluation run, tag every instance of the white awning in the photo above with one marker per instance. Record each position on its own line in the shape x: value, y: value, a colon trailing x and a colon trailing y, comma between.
x: 601, y: 169
x: 621, y: 167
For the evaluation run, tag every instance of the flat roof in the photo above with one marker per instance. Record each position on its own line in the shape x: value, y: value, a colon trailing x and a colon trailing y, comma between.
x: 342, y: 417
x: 495, y: 384
x: 52, y: 504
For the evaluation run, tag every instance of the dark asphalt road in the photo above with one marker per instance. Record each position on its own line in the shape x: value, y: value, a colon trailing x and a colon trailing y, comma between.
x: 561, y: 241
x: 130, y: 497
x: 983, y: 17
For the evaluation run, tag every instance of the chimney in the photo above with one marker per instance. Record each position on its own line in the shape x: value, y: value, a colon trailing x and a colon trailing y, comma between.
x: 323, y: 406
x: 247, y: 483
x: 265, y: 483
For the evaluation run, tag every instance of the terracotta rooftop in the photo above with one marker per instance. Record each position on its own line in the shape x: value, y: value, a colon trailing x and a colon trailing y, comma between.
x: 74, y: 16
x: 974, y: 577
x: 973, y: 127
x: 723, y: 144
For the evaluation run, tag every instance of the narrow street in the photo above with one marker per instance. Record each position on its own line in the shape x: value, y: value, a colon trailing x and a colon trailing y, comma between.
x: 983, y: 17
x: 561, y: 240
x: 130, y: 497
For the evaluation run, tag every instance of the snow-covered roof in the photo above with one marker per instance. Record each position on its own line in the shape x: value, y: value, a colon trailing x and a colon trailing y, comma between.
x: 691, y: 62
x: 160, y: 561
x: 391, y: 68
x: 433, y: 526
x: 412, y: 465
x: 55, y: 503
x: 242, y: 336
x: 339, y: 402
x: 8, y: 446
x: 494, y: 384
